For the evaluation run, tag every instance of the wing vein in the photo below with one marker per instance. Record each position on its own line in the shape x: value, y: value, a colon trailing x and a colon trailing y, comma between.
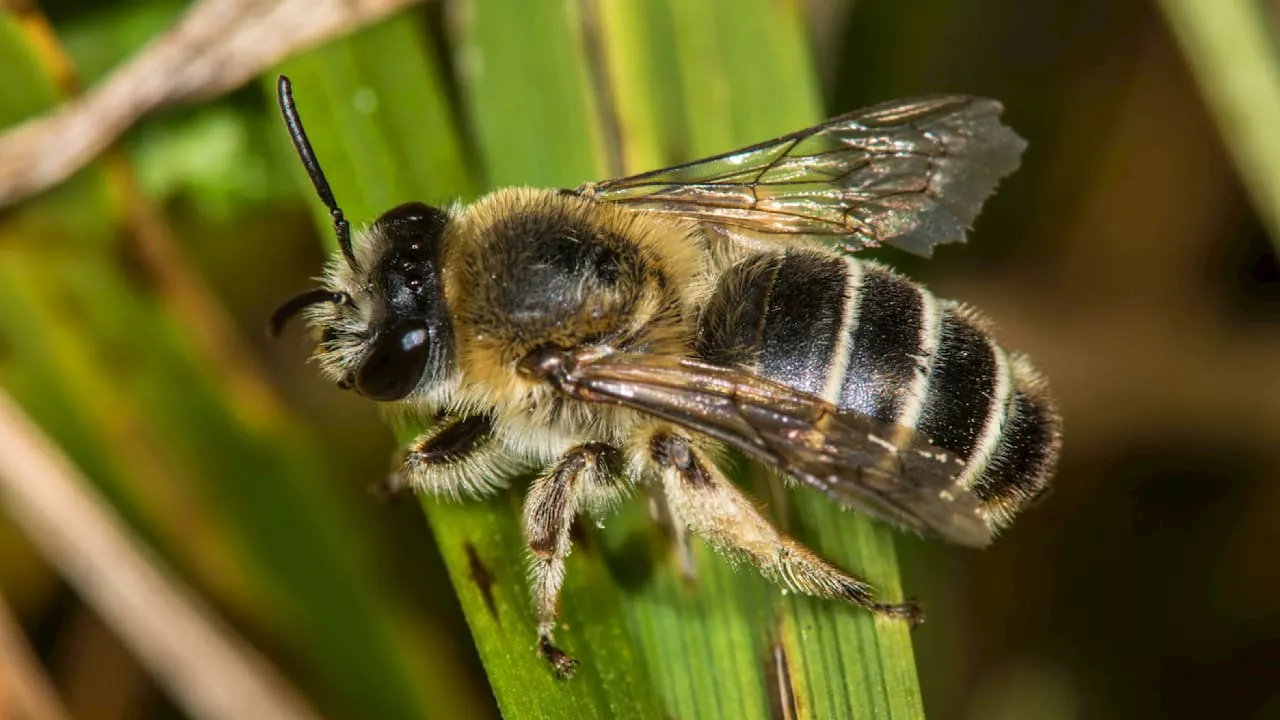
x: 912, y: 174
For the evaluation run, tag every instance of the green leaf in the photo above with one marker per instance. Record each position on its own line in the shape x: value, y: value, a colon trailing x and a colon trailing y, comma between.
x: 229, y: 489
x: 744, y: 76
x: 556, y: 94
x: 408, y: 147
x: 1236, y: 63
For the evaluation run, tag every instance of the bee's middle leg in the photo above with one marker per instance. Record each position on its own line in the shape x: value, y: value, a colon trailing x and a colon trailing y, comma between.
x: 586, y: 478
x: 716, y: 510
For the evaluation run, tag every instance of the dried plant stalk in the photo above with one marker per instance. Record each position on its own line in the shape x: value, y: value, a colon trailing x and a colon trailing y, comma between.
x: 217, y: 46
x: 207, y: 668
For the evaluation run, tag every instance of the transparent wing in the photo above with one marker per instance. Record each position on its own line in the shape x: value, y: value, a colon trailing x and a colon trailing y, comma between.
x: 884, y: 470
x: 909, y: 173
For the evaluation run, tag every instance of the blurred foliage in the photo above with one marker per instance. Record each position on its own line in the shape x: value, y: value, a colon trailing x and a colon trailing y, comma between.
x: 105, y: 355
x: 1233, y: 57
x: 1124, y: 257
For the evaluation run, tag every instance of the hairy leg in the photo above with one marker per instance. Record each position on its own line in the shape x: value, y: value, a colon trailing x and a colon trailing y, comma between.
x: 714, y: 509
x: 586, y: 478
x: 676, y: 529
x: 457, y: 458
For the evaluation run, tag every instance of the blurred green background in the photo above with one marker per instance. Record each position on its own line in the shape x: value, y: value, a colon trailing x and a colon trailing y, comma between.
x: 1124, y: 257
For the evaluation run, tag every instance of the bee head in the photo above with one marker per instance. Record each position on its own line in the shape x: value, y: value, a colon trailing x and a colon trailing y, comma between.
x: 381, y: 317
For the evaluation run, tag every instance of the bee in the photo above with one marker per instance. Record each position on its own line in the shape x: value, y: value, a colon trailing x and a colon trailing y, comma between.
x: 626, y: 332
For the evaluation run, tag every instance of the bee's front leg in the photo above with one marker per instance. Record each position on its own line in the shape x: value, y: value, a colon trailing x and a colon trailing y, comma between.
x: 587, y: 477
x: 457, y: 458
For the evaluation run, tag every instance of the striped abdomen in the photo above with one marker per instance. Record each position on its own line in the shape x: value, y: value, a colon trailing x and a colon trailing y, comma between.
x: 870, y: 341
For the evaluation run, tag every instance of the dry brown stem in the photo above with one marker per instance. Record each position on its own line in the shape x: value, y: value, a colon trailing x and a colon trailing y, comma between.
x: 217, y: 46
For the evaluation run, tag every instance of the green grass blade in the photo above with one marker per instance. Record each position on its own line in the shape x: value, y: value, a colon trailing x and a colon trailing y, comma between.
x: 409, y: 148
x: 742, y: 74
x: 555, y: 94
x: 1236, y: 63
x: 524, y: 72
x: 243, y: 503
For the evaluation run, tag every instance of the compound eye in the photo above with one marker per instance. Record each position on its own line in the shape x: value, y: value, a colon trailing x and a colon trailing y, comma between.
x: 396, y: 365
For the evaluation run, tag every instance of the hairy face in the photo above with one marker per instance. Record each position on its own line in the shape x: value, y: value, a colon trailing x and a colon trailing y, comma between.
x: 381, y: 318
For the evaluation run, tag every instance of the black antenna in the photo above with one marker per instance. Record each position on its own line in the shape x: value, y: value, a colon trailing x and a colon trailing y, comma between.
x: 284, y: 90
x: 293, y: 305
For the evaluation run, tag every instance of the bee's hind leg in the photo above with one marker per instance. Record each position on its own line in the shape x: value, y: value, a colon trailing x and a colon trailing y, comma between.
x: 714, y: 509
x: 586, y: 478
